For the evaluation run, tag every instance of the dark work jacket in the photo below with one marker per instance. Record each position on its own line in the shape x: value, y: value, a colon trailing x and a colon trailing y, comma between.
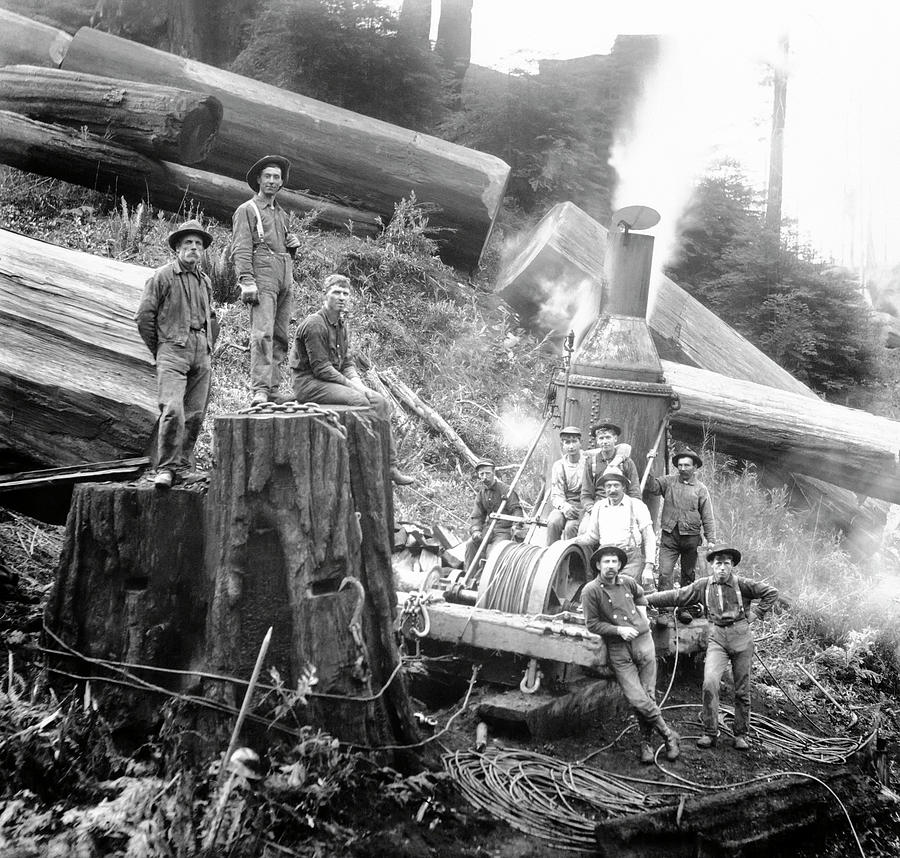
x: 594, y: 466
x: 164, y: 314
x: 488, y: 500
x: 321, y: 349
x: 685, y: 505
x: 609, y: 605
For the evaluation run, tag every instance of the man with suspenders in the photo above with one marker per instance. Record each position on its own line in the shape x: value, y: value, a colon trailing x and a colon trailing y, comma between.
x: 726, y: 600
x: 262, y: 250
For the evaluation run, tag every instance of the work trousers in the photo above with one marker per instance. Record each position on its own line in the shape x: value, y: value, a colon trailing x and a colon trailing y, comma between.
x: 269, y: 319
x: 560, y: 527
x: 183, y: 377
x: 634, y: 664
x: 473, y: 543
x: 675, y: 546
x: 308, y: 388
x: 728, y: 645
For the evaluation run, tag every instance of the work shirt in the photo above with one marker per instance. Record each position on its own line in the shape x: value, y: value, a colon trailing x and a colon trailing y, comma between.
x: 686, y: 505
x: 245, y: 233
x: 174, y: 301
x: 488, y: 500
x: 595, y: 463
x: 565, y: 482
x: 609, y: 605
x: 321, y: 348
x: 626, y: 524
x: 724, y: 603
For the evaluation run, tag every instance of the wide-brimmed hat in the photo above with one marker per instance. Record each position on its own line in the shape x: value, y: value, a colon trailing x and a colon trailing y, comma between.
x: 273, y: 160
x: 698, y: 462
x: 724, y: 548
x: 570, y: 430
x: 609, y: 549
x: 606, y: 423
x: 484, y: 463
x: 614, y: 474
x: 189, y: 227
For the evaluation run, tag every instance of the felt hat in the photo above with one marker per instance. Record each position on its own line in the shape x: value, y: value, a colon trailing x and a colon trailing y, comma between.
x: 484, y: 463
x: 723, y: 548
x: 570, y: 430
x: 606, y: 423
x: 614, y: 474
x: 687, y: 451
x: 268, y: 160
x: 608, y: 549
x: 189, y: 227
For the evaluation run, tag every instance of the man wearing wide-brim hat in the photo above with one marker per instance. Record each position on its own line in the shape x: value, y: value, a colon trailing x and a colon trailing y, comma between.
x: 687, y: 513
x: 615, y: 607
x: 727, y: 599
x: 262, y: 249
x: 175, y: 319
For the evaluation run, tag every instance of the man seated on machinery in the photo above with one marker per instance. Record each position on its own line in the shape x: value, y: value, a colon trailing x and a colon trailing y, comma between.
x: 490, y: 495
x: 608, y: 453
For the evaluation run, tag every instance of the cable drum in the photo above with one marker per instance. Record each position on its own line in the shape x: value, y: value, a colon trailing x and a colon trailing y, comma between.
x: 532, y: 579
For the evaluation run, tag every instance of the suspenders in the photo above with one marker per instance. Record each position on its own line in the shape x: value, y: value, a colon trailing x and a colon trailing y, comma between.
x: 737, y: 587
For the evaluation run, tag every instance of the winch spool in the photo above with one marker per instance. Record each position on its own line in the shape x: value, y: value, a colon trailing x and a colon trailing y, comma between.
x: 531, y: 579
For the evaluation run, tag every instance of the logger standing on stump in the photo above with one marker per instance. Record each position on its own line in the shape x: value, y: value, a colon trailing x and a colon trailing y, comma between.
x: 323, y: 366
x: 726, y: 599
x: 262, y: 250
x: 615, y: 607
x: 175, y: 320
x: 686, y: 509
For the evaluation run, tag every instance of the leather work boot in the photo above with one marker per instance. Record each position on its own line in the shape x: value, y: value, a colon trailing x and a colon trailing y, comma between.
x: 741, y: 743
x: 673, y: 746
x: 164, y: 479
x: 647, y: 755
x: 706, y: 742
x: 398, y: 478
x: 259, y: 397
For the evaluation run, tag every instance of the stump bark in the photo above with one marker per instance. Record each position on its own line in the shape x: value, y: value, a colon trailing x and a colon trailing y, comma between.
x: 298, y: 504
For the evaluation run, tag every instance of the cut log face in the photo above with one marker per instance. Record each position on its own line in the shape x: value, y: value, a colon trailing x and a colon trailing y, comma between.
x: 365, y: 163
x: 25, y: 41
x: 809, y: 436
x: 159, y: 121
x: 283, y: 537
x: 76, y: 382
x: 86, y: 159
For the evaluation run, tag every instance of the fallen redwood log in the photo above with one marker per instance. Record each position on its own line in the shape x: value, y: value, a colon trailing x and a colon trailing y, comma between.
x: 160, y: 121
x: 365, y: 163
x: 76, y: 382
x: 86, y: 159
x: 23, y: 40
x: 845, y: 446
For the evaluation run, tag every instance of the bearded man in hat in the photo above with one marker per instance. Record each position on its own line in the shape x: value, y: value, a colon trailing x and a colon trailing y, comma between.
x: 608, y: 453
x: 726, y: 598
x: 262, y: 250
x: 686, y: 509
x: 623, y: 521
x: 615, y: 607
x: 491, y: 493
x: 176, y: 321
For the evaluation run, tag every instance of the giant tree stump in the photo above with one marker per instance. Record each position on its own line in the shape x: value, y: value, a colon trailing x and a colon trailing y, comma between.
x: 297, y: 504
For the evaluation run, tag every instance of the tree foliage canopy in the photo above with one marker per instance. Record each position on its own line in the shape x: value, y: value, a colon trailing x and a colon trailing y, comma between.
x: 808, y: 315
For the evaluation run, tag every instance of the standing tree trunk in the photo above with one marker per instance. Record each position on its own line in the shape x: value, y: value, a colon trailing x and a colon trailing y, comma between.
x: 208, y: 30
x: 415, y: 22
x: 297, y: 505
x: 776, y: 150
x: 454, y: 40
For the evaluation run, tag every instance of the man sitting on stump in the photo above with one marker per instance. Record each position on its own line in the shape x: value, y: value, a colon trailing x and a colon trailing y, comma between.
x: 615, y: 607
x: 262, y: 249
x: 686, y: 509
x: 176, y: 321
x: 323, y: 366
x: 726, y: 599
x: 491, y: 493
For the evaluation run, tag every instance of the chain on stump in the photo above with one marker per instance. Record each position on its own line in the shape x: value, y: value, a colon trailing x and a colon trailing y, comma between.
x: 327, y: 416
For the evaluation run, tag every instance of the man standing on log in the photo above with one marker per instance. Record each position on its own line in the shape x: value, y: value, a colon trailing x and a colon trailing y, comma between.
x: 607, y: 454
x: 262, y: 250
x: 624, y: 521
x: 323, y: 366
x: 726, y: 599
x: 687, y: 508
x: 615, y: 607
x: 491, y: 493
x: 175, y: 320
